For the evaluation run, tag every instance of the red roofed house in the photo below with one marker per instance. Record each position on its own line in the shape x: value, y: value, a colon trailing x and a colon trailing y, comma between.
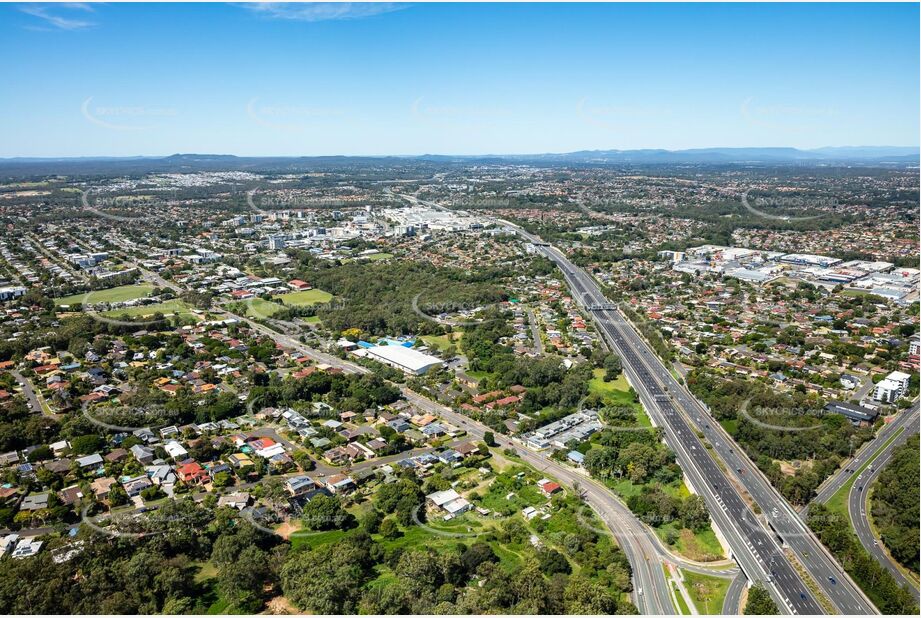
x: 192, y: 473
x: 486, y: 396
x: 303, y: 373
x: 548, y: 487
x: 505, y: 401
x: 297, y: 284
x: 262, y: 443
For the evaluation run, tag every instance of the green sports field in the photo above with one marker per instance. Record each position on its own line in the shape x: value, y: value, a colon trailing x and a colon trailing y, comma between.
x: 305, y: 297
x: 112, y: 295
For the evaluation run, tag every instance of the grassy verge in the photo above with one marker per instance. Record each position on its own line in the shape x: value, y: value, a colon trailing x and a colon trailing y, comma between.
x: 697, y: 545
x: 707, y: 592
x: 838, y: 502
x: 683, y: 608
x: 806, y: 578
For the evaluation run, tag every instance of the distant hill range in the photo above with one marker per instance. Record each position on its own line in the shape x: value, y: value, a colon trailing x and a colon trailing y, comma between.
x: 846, y: 155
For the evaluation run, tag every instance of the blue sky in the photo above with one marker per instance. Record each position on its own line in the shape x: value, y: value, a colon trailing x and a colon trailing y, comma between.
x: 129, y: 79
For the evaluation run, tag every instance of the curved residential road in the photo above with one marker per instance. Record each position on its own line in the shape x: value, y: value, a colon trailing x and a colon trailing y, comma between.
x: 651, y: 590
x: 859, y: 509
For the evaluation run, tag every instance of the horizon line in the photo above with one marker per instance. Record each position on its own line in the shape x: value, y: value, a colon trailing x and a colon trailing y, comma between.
x: 437, y: 154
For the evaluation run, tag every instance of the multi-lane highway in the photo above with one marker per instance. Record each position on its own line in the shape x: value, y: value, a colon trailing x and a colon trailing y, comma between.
x: 758, y: 544
x: 864, y: 468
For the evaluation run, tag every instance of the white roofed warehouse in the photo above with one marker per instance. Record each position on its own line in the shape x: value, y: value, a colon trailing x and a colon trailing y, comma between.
x: 405, y: 359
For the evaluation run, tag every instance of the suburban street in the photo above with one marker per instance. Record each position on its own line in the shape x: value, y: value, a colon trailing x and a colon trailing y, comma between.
x: 535, y: 332
x: 652, y: 593
x: 29, y: 392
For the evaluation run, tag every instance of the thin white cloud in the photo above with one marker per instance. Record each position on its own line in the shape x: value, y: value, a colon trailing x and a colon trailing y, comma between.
x: 54, y: 17
x: 78, y: 6
x: 323, y: 11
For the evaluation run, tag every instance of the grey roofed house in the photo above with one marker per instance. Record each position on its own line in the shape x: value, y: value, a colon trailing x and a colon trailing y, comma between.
x: 449, y: 456
x: 134, y: 486
x: 143, y: 454
x: 34, y: 502
x: 8, y: 459
x: 399, y: 425
x: 434, y: 429
x: 161, y: 475
x: 90, y: 460
x: 239, y: 500
x: 854, y: 413
x: 7, y: 543
x: 377, y: 444
x: 58, y: 466
x: 145, y: 434
x: 440, y: 498
x: 300, y: 484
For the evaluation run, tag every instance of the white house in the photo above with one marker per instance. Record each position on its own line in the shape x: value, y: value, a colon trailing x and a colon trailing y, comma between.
x: 892, y: 387
x: 175, y: 450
